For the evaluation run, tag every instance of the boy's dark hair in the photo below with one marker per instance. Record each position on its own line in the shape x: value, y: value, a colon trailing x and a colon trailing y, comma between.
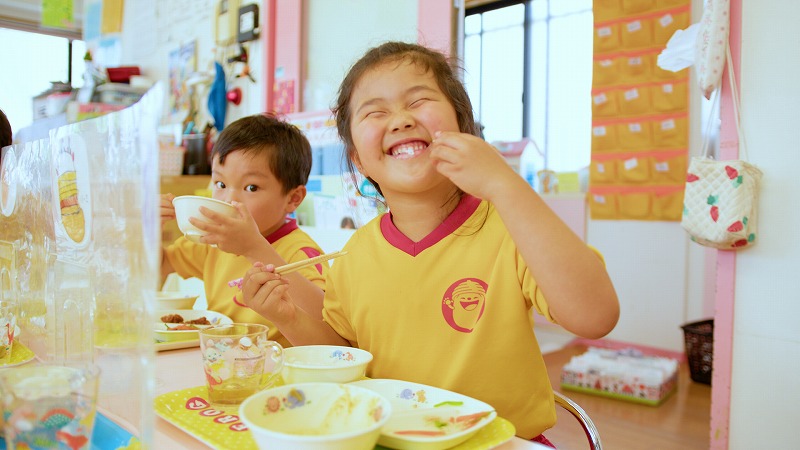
x: 5, y: 130
x: 287, y: 149
x: 443, y: 69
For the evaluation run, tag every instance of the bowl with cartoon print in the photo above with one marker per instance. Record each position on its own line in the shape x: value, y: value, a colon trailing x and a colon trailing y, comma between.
x: 324, y: 363
x: 187, y: 206
x: 315, y: 416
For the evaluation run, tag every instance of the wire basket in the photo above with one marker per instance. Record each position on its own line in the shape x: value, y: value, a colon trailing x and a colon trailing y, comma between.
x: 699, y: 339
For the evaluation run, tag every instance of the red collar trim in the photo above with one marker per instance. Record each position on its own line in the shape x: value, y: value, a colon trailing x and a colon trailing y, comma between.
x: 286, y: 228
x: 466, y: 207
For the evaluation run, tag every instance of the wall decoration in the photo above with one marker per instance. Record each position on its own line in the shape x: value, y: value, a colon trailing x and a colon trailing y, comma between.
x: 640, y: 119
x: 182, y: 62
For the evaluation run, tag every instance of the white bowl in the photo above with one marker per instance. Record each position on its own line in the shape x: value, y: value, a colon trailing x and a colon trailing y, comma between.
x: 426, y: 417
x: 175, y: 300
x: 315, y: 416
x: 166, y: 332
x: 324, y: 363
x: 189, y: 206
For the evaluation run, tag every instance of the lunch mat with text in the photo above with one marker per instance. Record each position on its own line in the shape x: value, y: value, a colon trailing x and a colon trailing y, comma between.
x: 189, y: 410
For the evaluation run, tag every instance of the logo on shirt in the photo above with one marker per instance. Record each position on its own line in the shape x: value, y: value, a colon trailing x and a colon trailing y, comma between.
x: 463, y: 303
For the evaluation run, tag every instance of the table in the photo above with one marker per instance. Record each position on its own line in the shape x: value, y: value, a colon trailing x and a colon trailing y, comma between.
x: 180, y: 369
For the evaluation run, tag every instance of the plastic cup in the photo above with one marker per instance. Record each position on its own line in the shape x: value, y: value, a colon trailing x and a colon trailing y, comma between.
x: 49, y: 406
x: 239, y: 360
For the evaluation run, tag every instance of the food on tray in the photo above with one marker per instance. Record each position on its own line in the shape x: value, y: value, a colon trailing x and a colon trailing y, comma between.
x: 184, y: 324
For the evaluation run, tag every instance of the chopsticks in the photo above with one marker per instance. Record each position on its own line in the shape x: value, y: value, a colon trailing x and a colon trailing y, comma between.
x: 308, y: 262
x: 288, y: 268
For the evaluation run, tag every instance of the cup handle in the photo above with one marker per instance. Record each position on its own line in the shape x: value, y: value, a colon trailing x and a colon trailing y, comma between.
x: 267, y: 378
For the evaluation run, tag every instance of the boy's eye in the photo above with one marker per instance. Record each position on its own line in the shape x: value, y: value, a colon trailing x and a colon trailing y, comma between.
x: 251, y: 188
x: 373, y: 114
x: 219, y: 185
x: 419, y: 102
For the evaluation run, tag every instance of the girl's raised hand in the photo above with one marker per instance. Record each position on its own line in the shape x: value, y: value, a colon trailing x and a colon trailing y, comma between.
x: 471, y: 163
x: 267, y: 294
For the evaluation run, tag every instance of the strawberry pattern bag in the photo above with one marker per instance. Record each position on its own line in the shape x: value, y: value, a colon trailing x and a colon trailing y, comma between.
x: 721, y: 197
x: 719, y: 206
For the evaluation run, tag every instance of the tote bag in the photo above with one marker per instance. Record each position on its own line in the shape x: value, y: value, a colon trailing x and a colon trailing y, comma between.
x: 720, y: 203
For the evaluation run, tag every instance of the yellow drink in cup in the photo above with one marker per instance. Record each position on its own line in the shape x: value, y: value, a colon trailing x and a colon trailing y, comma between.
x: 238, y: 360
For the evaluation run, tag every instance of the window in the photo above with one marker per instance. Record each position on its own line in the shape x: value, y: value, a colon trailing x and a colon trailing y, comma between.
x: 24, y: 77
x: 528, y: 71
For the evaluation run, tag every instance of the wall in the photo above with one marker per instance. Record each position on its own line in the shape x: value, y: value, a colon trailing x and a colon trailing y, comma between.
x: 766, y: 336
x: 337, y: 37
x: 152, y: 29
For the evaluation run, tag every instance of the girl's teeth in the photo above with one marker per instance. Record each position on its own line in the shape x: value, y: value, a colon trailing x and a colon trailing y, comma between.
x: 408, y: 150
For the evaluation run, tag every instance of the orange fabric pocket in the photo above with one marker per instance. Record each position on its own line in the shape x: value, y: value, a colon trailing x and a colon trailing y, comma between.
x: 671, y: 133
x: 604, y: 138
x: 668, y: 205
x: 605, y: 72
x: 670, y: 97
x: 634, y: 101
x: 637, y: 33
x: 603, y: 206
x: 635, y: 205
x: 604, y: 104
x: 635, y: 135
x: 606, y: 10
x: 637, y: 6
x: 666, y: 25
x: 636, y: 69
x: 670, y: 3
x: 606, y: 38
x: 634, y: 169
x: 603, y: 172
x: 669, y: 168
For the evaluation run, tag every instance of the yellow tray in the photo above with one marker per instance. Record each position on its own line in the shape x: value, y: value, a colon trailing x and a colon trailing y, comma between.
x: 189, y: 410
x: 20, y: 354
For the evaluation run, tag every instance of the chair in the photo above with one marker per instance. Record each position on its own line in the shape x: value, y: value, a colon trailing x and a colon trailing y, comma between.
x: 586, y: 422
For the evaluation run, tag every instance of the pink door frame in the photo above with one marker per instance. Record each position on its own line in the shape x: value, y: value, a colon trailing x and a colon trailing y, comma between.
x: 726, y: 260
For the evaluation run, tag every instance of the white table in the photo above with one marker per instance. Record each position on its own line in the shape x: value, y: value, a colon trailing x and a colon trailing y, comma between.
x: 180, y: 369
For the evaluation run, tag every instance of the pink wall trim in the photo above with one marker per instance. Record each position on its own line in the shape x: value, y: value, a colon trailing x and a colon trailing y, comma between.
x: 283, y: 52
x: 726, y: 260
x: 268, y: 41
x: 435, y: 24
x: 289, y: 48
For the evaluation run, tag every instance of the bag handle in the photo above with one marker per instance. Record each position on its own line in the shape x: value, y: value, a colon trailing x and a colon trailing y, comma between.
x: 736, y: 108
x: 736, y: 103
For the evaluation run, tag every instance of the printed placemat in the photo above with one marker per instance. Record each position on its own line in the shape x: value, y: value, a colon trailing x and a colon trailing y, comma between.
x: 20, y: 354
x: 190, y: 410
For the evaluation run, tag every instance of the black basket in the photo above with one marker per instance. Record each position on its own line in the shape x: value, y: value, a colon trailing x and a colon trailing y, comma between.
x: 699, y: 338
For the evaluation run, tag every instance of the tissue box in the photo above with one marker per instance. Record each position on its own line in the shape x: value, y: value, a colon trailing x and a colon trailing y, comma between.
x: 622, y: 374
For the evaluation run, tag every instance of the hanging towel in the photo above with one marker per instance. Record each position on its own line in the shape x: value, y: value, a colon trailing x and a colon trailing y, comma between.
x: 217, y: 103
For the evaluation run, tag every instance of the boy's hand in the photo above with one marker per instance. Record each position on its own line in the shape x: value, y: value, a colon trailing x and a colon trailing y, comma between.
x: 237, y: 235
x: 471, y: 163
x: 267, y: 294
x: 167, y: 210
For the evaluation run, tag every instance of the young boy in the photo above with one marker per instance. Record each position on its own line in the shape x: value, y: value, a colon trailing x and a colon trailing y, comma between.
x: 260, y: 164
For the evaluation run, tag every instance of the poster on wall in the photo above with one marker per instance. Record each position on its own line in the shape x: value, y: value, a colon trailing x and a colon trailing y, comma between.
x: 182, y: 62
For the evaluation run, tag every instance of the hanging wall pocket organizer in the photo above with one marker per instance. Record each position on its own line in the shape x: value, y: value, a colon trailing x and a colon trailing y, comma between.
x: 721, y: 197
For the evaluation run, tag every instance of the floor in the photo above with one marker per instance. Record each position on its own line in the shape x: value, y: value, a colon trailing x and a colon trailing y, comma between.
x: 681, y: 422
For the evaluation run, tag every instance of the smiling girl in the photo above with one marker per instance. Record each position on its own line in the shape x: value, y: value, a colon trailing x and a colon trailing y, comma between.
x: 440, y: 289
